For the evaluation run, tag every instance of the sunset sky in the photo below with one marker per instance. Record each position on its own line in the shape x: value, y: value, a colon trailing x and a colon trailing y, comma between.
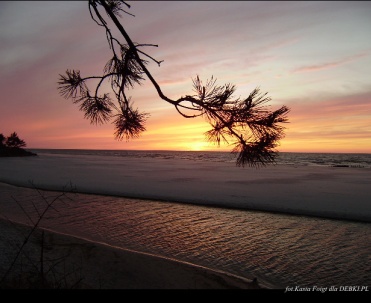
x: 314, y: 57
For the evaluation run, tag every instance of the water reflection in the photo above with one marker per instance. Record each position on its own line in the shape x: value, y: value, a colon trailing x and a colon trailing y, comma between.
x: 278, y: 249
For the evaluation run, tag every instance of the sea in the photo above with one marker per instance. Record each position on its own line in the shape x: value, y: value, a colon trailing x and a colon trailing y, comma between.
x: 355, y: 160
x: 280, y: 250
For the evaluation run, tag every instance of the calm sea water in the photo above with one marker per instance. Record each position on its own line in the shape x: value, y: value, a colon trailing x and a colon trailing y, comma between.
x: 280, y: 250
x: 325, y: 159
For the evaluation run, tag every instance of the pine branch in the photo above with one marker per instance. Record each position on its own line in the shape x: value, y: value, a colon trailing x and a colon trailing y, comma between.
x: 248, y: 123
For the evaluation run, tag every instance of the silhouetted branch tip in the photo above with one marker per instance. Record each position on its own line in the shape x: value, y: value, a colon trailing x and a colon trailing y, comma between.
x: 130, y: 124
x: 116, y: 7
x: 97, y: 110
x: 255, y: 154
x: 71, y: 85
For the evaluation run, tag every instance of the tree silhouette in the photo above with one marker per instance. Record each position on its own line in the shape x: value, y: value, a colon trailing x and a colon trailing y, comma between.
x: 2, y: 140
x: 11, y: 146
x: 13, y: 141
x: 247, y: 123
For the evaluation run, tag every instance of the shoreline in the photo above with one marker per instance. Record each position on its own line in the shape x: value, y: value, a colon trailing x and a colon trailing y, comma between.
x: 288, y: 212
x: 107, y: 267
x: 150, y: 226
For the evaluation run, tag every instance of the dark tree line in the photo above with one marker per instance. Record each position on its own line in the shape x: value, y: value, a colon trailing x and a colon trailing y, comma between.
x: 247, y: 123
x: 13, y: 146
x: 13, y: 141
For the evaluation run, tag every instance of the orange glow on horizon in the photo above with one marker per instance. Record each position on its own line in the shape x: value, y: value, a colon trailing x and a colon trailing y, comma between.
x: 326, y: 85
x: 176, y: 133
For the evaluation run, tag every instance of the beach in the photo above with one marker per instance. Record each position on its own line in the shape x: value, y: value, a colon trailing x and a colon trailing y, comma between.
x: 97, y: 266
x: 172, y: 245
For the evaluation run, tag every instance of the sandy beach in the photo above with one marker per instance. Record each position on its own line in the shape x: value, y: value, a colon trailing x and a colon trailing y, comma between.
x: 99, y: 266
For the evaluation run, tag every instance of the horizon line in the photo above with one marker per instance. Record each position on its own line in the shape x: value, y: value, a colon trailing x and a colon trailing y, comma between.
x: 183, y: 150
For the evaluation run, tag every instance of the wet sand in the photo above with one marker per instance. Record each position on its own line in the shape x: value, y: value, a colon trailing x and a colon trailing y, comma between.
x: 93, y: 265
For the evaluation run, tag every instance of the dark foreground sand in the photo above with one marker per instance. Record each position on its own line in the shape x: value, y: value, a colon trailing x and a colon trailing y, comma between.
x: 90, y: 265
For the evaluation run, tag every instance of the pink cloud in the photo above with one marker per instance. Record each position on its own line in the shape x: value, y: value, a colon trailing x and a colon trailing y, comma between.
x: 350, y: 105
x: 321, y: 124
x: 312, y: 68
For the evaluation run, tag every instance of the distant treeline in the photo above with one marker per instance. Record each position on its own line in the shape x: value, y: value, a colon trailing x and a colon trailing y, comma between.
x: 12, y: 146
